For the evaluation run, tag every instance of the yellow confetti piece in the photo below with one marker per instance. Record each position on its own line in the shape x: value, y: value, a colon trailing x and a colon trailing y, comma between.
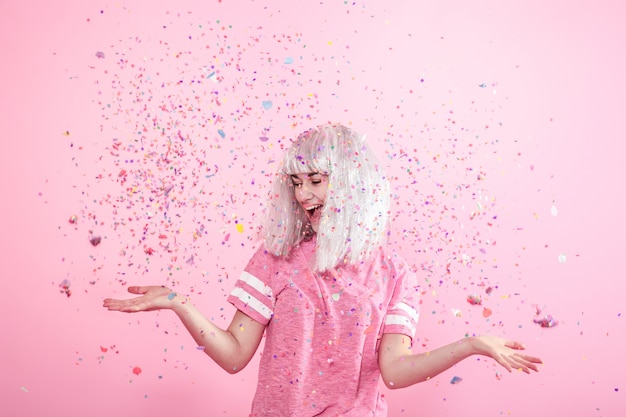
x: 239, y: 227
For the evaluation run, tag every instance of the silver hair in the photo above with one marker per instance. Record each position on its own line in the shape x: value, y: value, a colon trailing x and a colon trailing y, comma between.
x: 355, y: 214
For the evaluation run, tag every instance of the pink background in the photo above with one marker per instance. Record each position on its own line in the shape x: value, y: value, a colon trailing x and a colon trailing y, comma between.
x: 157, y: 126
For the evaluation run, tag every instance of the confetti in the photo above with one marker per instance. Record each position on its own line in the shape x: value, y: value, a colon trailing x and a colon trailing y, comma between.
x: 267, y: 104
x: 136, y: 370
x: 369, y: 329
x: 73, y: 219
x: 100, y: 55
x: 213, y: 77
x: 553, y: 210
x: 474, y: 299
x: 95, y: 240
x: 65, y: 287
x: 547, y: 321
x: 455, y: 380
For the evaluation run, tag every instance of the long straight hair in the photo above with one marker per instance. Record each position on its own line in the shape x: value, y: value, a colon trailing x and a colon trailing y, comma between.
x: 355, y: 214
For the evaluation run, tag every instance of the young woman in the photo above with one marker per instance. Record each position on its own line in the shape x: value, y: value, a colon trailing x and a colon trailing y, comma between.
x: 338, y: 307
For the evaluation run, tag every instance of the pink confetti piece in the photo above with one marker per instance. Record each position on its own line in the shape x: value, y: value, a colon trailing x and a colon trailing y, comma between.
x: 95, y: 240
x: 547, y: 321
x: 474, y: 299
x: 136, y: 370
x: 65, y: 287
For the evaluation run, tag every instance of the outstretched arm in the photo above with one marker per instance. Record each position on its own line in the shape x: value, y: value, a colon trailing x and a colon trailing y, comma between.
x: 401, y: 368
x: 231, y: 349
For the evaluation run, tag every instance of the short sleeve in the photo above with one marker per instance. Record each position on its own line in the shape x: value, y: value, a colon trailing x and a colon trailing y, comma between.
x: 403, y: 311
x: 252, y: 293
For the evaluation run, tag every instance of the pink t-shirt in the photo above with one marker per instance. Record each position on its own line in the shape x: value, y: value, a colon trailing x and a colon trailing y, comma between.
x: 320, y: 356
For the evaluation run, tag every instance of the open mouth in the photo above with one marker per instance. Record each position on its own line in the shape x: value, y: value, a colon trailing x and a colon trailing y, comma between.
x: 314, y: 212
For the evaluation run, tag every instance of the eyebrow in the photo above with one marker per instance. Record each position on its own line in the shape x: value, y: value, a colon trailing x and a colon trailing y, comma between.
x: 309, y: 175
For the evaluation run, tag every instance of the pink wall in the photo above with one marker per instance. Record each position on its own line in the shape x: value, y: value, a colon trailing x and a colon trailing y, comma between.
x: 501, y: 121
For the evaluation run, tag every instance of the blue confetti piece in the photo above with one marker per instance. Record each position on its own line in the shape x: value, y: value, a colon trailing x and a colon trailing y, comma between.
x: 171, y: 295
x: 267, y: 104
x: 289, y: 60
x: 221, y: 132
x: 455, y: 380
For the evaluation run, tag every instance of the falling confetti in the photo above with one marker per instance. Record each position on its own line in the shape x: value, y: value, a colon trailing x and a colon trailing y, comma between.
x: 94, y: 240
x: 73, y: 219
x: 474, y: 299
x: 553, y: 210
x: 65, y: 287
x: 455, y: 380
x: 136, y: 370
x: 547, y: 321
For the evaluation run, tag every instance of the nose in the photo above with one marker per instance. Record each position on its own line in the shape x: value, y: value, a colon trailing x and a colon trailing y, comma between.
x: 304, y: 193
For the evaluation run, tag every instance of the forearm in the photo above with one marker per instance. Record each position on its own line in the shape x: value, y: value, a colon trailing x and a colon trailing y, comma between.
x: 217, y: 343
x: 401, y: 371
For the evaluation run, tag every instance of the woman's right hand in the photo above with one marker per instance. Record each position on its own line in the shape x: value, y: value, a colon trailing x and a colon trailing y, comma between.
x: 151, y: 298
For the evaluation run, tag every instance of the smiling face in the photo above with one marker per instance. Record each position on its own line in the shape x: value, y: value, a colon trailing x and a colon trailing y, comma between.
x: 310, y: 192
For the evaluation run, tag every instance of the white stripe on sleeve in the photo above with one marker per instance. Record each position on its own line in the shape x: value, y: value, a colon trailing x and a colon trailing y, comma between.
x: 257, y: 284
x: 408, y: 310
x: 254, y: 303
x: 400, y: 320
